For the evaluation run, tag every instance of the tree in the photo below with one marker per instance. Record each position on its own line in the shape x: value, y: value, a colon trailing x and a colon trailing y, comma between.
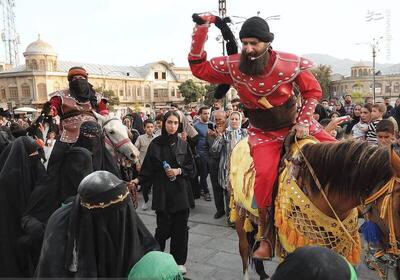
x: 209, y: 94
x: 110, y: 96
x: 191, y: 92
x: 323, y: 75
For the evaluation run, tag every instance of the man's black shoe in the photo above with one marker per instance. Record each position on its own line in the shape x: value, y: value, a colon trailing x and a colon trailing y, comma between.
x: 219, y: 215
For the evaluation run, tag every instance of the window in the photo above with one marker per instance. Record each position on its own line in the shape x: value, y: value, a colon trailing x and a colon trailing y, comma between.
x: 26, y: 91
x: 42, y: 92
x: 3, y: 93
x: 156, y: 95
x: 34, y: 64
x: 396, y: 88
x: 156, y: 75
x: 13, y: 92
x: 42, y: 65
x: 121, y: 92
x: 139, y: 92
x: 129, y: 93
x: 164, y: 75
x: 173, y: 92
x: 147, y: 92
x: 388, y: 88
x: 365, y: 72
x: 178, y: 94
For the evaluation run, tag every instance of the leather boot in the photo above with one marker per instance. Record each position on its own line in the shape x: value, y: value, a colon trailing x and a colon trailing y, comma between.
x: 264, y: 251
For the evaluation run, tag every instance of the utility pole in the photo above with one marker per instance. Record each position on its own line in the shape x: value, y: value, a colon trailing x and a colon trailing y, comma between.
x: 222, y: 14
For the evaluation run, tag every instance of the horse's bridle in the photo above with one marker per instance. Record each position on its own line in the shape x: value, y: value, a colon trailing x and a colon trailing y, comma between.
x: 107, y: 137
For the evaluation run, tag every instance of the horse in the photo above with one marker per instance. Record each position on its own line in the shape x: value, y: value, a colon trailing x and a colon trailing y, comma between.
x: 116, y: 137
x: 318, y: 191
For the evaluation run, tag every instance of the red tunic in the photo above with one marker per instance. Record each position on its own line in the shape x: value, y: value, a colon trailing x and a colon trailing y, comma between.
x: 266, y: 91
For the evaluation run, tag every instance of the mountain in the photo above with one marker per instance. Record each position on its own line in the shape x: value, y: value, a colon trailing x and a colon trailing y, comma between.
x: 343, y: 66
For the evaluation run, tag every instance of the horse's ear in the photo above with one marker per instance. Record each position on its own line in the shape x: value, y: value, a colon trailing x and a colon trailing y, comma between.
x: 98, y: 116
x: 395, y: 161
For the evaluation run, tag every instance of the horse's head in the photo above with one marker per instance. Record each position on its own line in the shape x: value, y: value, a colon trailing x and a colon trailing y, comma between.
x: 116, y: 136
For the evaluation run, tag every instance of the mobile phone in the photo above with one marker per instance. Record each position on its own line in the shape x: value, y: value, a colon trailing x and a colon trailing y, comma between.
x: 211, y: 126
x: 345, y: 118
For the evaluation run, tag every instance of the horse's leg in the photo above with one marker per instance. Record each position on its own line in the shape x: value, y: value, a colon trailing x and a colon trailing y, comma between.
x: 243, y: 245
x: 258, y: 264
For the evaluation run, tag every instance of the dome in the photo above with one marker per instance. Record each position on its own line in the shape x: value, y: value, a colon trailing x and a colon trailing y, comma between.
x: 361, y: 64
x: 39, y: 47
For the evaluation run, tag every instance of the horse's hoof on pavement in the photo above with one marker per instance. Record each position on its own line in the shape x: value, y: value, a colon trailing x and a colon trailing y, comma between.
x: 246, y: 275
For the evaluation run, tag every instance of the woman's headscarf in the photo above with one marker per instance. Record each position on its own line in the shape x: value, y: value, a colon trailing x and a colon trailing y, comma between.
x: 165, y: 138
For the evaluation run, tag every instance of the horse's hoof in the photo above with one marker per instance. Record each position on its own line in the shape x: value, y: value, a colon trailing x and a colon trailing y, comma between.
x: 246, y: 275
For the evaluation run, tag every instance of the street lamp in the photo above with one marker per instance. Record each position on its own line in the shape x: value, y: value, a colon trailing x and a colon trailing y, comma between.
x: 375, y: 48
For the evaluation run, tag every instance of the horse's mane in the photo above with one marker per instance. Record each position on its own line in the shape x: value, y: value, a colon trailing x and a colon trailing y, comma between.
x: 349, y: 168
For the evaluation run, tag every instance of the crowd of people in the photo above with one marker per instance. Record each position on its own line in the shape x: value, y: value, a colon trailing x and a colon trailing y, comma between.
x: 67, y: 203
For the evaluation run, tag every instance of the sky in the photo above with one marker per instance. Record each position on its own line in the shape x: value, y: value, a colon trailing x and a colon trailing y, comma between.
x: 136, y: 32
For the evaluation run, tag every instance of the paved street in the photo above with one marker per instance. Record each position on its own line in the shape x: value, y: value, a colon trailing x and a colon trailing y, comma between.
x: 213, y: 247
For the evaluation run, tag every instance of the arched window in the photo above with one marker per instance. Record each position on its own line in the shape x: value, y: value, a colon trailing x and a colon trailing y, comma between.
x: 28, y: 64
x: 365, y: 72
x: 42, y: 65
x: 359, y: 72
x: 13, y: 92
x: 147, y: 92
x: 34, y: 64
x: 26, y: 91
x: 42, y: 92
x: 396, y: 88
x: 357, y: 88
x: 3, y: 93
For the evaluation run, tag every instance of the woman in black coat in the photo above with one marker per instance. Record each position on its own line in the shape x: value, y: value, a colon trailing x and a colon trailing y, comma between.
x: 172, y: 195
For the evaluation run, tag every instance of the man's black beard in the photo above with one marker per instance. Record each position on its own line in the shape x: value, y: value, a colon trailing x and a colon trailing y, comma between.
x: 253, y: 67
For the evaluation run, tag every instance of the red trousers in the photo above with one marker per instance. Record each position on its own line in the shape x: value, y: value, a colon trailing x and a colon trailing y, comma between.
x: 265, y: 148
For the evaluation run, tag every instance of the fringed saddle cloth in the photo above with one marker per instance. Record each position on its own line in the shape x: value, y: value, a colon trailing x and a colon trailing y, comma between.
x: 300, y: 223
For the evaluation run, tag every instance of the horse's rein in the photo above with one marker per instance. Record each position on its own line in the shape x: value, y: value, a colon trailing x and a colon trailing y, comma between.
x: 323, y: 193
x: 387, y: 211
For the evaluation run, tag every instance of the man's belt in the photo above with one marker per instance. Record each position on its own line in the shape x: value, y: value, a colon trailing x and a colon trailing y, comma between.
x: 274, y: 118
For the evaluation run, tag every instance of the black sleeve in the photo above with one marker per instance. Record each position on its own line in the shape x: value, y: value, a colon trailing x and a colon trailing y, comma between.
x: 146, y: 174
x: 188, y: 167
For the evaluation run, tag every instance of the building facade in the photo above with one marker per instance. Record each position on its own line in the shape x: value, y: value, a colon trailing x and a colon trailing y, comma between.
x: 152, y: 86
x: 360, y: 83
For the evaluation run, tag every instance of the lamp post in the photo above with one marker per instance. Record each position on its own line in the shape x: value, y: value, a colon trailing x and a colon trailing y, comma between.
x: 374, y: 46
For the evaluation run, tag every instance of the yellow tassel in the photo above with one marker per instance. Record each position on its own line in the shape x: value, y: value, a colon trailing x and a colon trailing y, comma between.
x: 278, y: 219
x: 248, y: 227
x: 233, y: 215
x: 292, y: 239
x: 258, y: 237
x: 301, y: 242
x: 231, y: 202
x: 356, y: 255
x: 283, y: 228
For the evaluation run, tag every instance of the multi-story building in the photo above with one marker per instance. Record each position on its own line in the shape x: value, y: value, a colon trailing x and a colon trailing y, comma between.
x: 154, y: 85
x: 360, y: 83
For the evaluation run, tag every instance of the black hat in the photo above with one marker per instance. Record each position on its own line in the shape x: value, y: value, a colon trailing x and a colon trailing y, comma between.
x: 256, y: 27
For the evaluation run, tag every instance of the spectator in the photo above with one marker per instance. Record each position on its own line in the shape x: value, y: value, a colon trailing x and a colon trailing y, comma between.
x: 142, y: 143
x: 320, y: 113
x: 378, y: 111
x: 214, y: 159
x: 360, y: 129
x: 355, y: 118
x: 389, y: 107
x: 228, y: 109
x: 385, y: 133
x: 158, y: 126
x: 172, y: 194
x: 348, y: 105
x: 395, y: 113
x: 225, y: 144
x: 202, y: 150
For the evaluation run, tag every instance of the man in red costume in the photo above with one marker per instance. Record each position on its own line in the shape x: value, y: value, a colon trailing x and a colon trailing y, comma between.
x: 74, y: 106
x: 264, y: 79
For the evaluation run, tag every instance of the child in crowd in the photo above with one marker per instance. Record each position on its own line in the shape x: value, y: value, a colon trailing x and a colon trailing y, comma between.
x: 359, y: 130
x: 158, y: 126
x: 378, y: 111
x: 385, y: 131
x: 142, y: 143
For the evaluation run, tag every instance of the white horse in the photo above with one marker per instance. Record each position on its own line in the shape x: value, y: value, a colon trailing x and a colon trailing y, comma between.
x: 116, y: 137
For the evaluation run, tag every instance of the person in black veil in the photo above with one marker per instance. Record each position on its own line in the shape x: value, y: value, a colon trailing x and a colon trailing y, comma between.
x: 5, y: 139
x: 97, y: 235
x: 172, y: 193
x: 20, y: 171
x: 91, y: 138
x: 48, y: 196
